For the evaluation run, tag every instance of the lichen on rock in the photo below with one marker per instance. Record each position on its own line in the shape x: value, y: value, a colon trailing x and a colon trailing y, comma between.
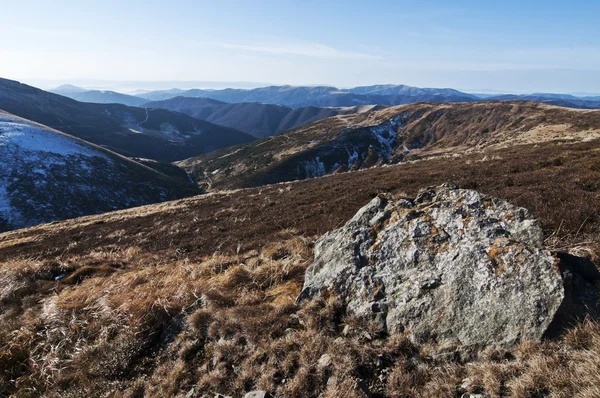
x: 451, y: 265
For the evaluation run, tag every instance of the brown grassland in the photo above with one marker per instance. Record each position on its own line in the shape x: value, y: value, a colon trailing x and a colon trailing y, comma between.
x: 429, y: 129
x: 199, y: 294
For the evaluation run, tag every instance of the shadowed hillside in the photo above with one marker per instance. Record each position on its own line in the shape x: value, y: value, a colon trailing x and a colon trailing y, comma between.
x: 260, y: 120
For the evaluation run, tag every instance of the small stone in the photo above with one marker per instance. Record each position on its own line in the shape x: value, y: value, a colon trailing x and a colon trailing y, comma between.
x: 289, y: 331
x: 324, y: 361
x: 466, y: 384
x: 348, y: 330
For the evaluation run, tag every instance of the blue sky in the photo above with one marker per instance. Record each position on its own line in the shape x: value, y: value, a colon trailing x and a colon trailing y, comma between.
x: 519, y: 46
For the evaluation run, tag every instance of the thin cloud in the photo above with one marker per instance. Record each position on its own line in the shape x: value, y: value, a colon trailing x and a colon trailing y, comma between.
x: 315, y: 50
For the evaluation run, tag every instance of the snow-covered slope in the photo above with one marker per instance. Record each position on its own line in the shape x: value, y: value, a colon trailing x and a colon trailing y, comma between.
x: 46, y: 175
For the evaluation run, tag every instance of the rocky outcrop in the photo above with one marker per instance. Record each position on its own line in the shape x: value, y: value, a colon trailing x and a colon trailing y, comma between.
x: 451, y: 265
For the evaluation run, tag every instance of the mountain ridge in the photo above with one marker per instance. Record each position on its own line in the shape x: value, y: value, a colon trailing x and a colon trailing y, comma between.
x: 301, y: 96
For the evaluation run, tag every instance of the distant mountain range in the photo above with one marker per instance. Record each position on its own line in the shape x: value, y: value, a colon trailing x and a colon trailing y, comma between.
x: 323, y: 96
x: 46, y: 175
x: 146, y: 133
x: 258, y: 119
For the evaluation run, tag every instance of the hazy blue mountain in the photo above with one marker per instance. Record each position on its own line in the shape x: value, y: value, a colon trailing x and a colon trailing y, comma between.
x: 322, y: 96
x: 403, y: 90
x: 103, y: 97
x: 566, y: 100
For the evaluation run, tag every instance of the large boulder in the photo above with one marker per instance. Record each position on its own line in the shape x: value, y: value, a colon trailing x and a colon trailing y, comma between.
x: 451, y: 265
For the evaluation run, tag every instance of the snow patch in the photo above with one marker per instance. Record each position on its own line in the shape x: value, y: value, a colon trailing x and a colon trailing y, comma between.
x: 33, y: 138
x: 313, y: 168
x: 352, y: 157
x: 7, y: 212
x: 30, y: 154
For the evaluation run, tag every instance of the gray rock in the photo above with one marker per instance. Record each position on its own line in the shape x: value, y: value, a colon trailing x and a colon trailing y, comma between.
x: 453, y: 265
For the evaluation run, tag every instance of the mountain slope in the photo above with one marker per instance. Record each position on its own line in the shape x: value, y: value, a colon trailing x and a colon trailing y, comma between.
x: 148, y: 133
x: 103, y: 97
x: 198, y: 295
x: 46, y: 175
x: 392, y: 135
x: 258, y: 119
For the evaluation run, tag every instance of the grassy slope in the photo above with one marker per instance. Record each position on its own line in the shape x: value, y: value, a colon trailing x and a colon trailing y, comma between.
x: 430, y: 130
x: 199, y: 293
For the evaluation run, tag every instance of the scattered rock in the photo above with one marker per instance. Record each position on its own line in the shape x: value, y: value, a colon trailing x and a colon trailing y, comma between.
x: 324, y: 361
x: 258, y: 394
x: 452, y: 265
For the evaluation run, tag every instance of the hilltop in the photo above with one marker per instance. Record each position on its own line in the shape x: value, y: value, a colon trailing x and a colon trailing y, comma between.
x: 98, y: 96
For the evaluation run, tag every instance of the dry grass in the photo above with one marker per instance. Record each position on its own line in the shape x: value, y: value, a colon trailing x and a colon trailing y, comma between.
x: 162, y: 327
x: 160, y: 300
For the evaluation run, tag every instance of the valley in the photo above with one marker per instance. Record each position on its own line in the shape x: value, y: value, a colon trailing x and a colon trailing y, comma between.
x: 300, y: 199
x: 258, y: 119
